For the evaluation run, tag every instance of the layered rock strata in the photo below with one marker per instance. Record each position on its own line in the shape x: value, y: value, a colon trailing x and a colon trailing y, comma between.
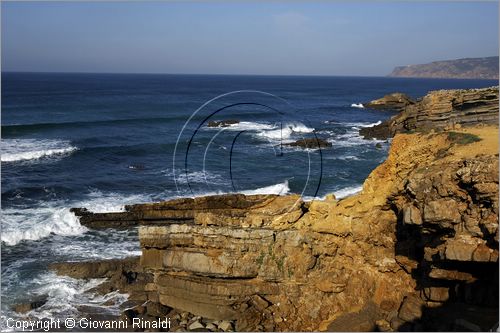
x: 443, y: 109
x: 417, y: 249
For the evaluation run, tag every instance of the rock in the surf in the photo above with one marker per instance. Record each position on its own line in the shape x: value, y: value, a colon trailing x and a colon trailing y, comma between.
x: 311, y: 143
x: 222, y: 123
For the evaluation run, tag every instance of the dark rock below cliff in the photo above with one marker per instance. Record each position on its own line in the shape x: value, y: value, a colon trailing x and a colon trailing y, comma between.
x: 394, y: 101
x: 379, y: 132
x: 312, y: 143
x: 222, y: 123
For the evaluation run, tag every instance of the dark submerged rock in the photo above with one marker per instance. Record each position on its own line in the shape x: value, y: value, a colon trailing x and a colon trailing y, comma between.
x: 311, y: 143
x: 222, y: 123
x: 379, y: 132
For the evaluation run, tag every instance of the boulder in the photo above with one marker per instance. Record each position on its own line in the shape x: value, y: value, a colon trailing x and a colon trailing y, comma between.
x: 395, y: 101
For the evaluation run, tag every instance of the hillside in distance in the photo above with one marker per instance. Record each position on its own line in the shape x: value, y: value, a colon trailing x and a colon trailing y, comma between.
x: 467, y: 68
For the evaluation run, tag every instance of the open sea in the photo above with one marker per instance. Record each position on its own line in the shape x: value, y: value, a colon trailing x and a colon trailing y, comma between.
x: 104, y: 140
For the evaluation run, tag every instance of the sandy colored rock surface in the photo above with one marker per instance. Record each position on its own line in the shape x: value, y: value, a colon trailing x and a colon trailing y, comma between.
x: 421, y: 236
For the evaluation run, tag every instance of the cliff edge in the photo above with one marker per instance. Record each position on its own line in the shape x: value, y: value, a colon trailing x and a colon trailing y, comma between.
x: 417, y: 249
x: 441, y: 110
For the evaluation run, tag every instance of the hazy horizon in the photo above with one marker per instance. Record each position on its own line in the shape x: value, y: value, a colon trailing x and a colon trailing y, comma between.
x: 228, y: 74
x: 297, y: 39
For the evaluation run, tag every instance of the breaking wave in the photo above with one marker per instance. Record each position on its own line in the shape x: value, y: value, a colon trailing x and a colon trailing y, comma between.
x: 358, y: 105
x: 34, y: 223
x: 67, y: 297
x: 348, y: 191
x: 270, y: 132
x: 279, y: 189
x: 31, y: 149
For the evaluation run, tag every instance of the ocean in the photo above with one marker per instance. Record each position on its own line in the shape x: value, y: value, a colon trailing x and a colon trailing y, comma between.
x: 104, y: 140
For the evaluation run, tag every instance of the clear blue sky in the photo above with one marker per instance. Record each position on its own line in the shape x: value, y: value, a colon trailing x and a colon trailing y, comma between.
x: 324, y: 38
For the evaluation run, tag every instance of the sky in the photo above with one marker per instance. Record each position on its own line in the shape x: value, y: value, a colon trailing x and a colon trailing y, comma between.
x: 273, y: 38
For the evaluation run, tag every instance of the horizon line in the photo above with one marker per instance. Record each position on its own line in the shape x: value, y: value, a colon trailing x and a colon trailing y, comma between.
x: 166, y: 73
x: 233, y: 74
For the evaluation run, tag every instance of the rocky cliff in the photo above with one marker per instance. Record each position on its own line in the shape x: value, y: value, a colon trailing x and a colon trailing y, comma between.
x: 439, y: 110
x: 468, y: 68
x: 417, y: 249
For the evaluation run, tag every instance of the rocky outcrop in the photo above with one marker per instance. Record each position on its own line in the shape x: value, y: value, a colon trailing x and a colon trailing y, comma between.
x: 310, y: 143
x: 448, y: 240
x: 222, y: 123
x: 394, y: 101
x: 448, y: 108
x: 467, y: 68
x: 417, y: 249
x: 438, y: 110
x: 273, y: 271
x: 182, y: 210
x: 128, y: 276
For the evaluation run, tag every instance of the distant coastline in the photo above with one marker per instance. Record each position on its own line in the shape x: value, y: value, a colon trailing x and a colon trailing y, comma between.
x: 467, y: 68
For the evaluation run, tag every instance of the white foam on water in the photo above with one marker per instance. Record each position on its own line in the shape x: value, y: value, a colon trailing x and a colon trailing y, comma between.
x: 198, y: 177
x: 54, y: 217
x: 348, y: 191
x: 279, y: 189
x: 68, y: 297
x: 37, y: 223
x: 99, y: 202
x: 357, y: 105
x: 349, y: 157
x: 32, y: 149
x: 284, y: 132
x: 100, y: 244
x: 249, y: 126
x: 356, y: 124
x: 309, y: 198
x: 371, y: 124
x: 270, y: 132
x: 339, y: 194
x: 351, y: 138
x: 201, y: 177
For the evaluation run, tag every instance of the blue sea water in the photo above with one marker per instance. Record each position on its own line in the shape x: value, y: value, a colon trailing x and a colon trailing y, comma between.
x: 104, y: 140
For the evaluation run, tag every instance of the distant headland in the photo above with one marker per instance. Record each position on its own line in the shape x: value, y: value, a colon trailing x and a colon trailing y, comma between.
x: 467, y: 68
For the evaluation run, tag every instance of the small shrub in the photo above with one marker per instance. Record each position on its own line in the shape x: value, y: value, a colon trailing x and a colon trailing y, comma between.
x: 462, y: 138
